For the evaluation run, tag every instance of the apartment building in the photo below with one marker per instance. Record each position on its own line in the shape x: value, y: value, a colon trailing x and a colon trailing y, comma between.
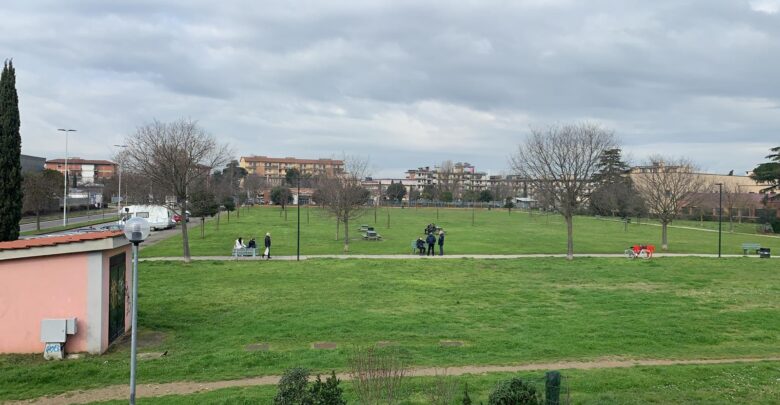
x: 272, y: 168
x: 85, y: 171
x: 455, y: 177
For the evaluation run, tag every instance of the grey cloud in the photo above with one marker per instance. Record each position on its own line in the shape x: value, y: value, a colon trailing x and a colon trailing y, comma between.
x: 443, y: 80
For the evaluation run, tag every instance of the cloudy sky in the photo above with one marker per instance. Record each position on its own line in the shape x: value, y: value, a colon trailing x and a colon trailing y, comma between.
x: 404, y: 83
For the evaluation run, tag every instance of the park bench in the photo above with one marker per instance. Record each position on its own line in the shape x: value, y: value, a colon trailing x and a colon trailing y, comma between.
x: 245, y: 252
x: 747, y: 247
x: 372, y: 235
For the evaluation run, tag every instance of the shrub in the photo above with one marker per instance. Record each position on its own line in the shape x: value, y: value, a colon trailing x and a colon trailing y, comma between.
x: 377, y: 376
x: 327, y: 393
x: 292, y: 387
x: 442, y: 390
x: 514, y: 392
x: 466, y: 397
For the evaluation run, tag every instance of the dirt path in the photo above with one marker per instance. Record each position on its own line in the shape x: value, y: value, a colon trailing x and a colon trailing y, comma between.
x: 117, y: 392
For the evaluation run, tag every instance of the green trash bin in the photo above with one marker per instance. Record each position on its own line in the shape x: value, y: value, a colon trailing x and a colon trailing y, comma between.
x: 764, y: 253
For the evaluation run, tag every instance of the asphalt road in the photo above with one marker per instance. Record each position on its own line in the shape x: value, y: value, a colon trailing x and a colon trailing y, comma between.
x: 58, y: 222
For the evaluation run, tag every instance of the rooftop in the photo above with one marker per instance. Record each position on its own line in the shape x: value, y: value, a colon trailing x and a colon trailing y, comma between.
x: 80, y: 161
x: 57, y: 240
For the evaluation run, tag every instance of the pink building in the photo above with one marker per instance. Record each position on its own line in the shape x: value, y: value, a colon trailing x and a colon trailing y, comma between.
x: 86, y: 276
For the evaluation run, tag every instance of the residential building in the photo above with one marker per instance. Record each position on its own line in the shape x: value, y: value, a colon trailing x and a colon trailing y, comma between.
x: 377, y: 187
x: 454, y: 177
x: 85, y: 171
x: 275, y: 168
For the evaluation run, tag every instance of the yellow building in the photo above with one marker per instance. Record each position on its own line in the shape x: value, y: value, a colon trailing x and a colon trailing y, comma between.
x: 270, y: 168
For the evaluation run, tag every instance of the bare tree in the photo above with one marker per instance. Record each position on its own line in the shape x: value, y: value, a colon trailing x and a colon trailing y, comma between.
x: 40, y: 192
x: 734, y: 199
x: 343, y: 196
x: 175, y: 156
x: 254, y: 185
x: 561, y: 161
x: 667, y: 185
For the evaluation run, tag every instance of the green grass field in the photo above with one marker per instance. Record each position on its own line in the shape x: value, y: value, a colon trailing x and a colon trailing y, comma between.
x: 505, y: 311
x: 494, y: 232
x: 710, y: 384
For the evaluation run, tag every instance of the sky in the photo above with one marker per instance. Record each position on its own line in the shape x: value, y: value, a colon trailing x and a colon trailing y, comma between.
x: 401, y: 83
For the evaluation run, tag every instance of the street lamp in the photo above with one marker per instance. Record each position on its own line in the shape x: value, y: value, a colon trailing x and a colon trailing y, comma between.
x: 120, y: 179
x: 136, y: 230
x: 720, y: 215
x: 298, y: 254
x: 65, y: 194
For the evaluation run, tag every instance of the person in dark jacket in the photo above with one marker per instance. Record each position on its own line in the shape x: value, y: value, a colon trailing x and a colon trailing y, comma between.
x: 267, y: 246
x: 252, y: 244
x: 431, y: 240
x: 421, y: 246
x: 441, y: 243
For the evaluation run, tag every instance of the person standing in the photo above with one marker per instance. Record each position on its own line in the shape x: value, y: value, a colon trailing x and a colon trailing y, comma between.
x: 267, y: 252
x: 431, y: 242
x: 441, y: 243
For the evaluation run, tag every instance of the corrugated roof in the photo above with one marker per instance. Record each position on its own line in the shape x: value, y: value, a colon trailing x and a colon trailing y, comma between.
x: 58, y: 240
x: 79, y: 161
x: 291, y: 160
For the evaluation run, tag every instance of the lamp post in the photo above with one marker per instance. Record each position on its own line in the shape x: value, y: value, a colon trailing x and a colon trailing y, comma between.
x: 120, y: 180
x: 298, y: 250
x: 136, y: 231
x: 720, y: 216
x: 65, y: 193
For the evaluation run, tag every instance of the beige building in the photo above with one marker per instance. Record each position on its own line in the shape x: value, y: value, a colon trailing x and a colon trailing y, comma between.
x: 271, y: 168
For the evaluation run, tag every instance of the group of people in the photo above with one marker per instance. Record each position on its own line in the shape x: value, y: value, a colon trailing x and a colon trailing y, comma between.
x: 253, y: 245
x: 431, y: 241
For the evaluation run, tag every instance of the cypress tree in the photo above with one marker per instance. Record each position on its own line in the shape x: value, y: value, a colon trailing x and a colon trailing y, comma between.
x: 10, y: 156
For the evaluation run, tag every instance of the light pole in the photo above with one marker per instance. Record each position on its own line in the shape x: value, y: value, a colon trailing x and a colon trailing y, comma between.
x: 720, y: 216
x: 298, y: 254
x: 65, y: 194
x: 136, y: 230
x: 120, y: 180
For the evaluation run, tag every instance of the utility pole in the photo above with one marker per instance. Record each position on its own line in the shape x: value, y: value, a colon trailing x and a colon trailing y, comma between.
x: 65, y: 193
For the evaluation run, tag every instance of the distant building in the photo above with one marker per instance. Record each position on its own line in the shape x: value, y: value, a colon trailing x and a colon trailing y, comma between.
x: 378, y: 187
x: 273, y: 168
x: 32, y: 163
x: 456, y: 178
x: 85, y: 171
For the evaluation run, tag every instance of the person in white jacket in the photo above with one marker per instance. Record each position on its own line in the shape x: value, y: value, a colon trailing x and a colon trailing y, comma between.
x: 239, y: 244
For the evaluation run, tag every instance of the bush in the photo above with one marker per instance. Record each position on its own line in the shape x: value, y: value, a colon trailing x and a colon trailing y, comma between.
x: 327, y: 393
x: 514, y: 392
x: 466, y: 397
x: 292, y: 387
x: 377, y: 375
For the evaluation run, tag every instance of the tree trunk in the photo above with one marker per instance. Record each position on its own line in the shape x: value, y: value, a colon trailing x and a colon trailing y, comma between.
x: 388, y: 218
x: 664, y: 238
x: 38, y: 220
x: 569, y: 237
x: 202, y: 227
x: 218, y: 211
x: 228, y: 211
x: 346, y: 234
x: 185, y: 239
x: 338, y: 223
x: 285, y: 215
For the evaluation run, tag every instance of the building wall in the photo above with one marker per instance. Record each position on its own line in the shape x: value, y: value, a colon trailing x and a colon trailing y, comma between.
x: 32, y: 289
x: 58, y: 286
x: 277, y: 167
x: 32, y: 163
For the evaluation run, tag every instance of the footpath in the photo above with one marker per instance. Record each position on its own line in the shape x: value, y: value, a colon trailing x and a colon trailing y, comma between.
x: 417, y: 257
x: 118, y: 392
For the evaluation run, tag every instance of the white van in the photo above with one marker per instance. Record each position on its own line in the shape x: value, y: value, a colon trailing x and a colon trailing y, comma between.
x: 159, y: 217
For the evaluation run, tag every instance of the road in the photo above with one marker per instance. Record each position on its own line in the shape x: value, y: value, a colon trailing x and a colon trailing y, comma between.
x: 58, y: 222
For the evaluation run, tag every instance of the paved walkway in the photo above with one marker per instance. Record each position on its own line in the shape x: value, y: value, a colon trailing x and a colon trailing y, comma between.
x: 118, y: 392
x: 417, y: 257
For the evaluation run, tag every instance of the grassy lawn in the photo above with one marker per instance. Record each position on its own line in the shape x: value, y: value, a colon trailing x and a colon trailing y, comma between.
x: 494, y: 232
x: 505, y: 312
x: 710, y: 384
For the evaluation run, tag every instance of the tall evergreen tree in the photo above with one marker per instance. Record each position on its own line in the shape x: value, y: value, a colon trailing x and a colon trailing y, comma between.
x: 10, y: 156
